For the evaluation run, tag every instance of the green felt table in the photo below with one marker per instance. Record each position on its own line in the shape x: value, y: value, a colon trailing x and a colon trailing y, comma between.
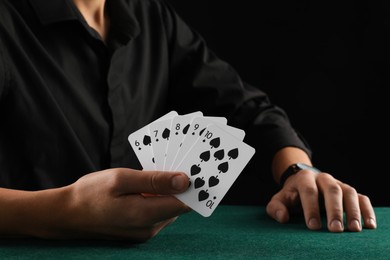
x: 232, y: 232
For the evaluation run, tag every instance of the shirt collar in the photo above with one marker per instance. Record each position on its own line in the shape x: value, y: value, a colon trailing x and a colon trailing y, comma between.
x: 53, y: 11
x: 124, y: 24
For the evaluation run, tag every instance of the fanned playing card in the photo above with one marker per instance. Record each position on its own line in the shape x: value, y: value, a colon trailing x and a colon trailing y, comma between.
x: 198, y: 125
x: 213, y: 164
x: 179, y: 127
x: 208, y: 150
x: 141, y: 142
x: 160, y: 134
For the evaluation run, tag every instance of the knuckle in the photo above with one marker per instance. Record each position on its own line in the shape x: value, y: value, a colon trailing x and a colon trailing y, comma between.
x: 323, y: 176
x: 309, y: 190
x: 154, y: 183
x: 159, y: 182
x: 354, y: 213
x: 334, y: 189
x: 350, y: 190
x: 114, y: 180
x: 364, y: 199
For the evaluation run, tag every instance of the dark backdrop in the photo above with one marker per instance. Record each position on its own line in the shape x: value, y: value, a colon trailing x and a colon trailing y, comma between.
x: 327, y: 64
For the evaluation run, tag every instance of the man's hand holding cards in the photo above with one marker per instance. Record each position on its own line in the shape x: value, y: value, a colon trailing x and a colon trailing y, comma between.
x: 208, y: 150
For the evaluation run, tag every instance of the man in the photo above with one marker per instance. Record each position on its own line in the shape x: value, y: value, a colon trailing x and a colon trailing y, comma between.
x: 76, y: 77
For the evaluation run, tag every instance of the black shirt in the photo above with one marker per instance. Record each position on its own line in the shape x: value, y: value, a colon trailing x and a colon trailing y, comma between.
x: 68, y: 101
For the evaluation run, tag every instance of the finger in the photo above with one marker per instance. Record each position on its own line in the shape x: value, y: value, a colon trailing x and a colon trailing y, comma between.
x: 160, y: 226
x: 352, y: 208
x: 147, y: 233
x: 159, y: 208
x: 133, y: 181
x: 367, y: 211
x: 333, y: 197
x: 142, y: 234
x: 308, y: 193
x: 277, y: 208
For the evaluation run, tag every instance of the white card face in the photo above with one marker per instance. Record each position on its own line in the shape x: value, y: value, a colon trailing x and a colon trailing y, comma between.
x: 213, y: 164
x: 160, y: 132
x: 216, y: 119
x: 179, y: 127
x: 198, y: 126
x: 234, y: 131
x: 141, y: 142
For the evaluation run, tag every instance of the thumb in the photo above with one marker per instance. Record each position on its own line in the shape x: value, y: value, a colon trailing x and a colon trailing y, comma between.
x: 156, y: 182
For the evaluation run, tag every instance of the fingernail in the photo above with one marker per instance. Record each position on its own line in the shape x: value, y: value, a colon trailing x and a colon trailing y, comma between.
x: 336, y: 225
x: 314, y: 224
x: 354, y: 225
x: 279, y: 215
x: 179, y: 182
x: 371, y: 222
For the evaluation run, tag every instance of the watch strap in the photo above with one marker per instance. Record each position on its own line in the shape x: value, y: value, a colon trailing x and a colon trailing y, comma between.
x: 293, y: 169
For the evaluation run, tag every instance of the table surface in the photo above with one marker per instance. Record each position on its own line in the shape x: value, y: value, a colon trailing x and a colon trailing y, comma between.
x: 232, y: 232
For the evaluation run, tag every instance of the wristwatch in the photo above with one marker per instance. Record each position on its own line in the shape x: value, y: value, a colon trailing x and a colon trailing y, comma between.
x: 293, y: 169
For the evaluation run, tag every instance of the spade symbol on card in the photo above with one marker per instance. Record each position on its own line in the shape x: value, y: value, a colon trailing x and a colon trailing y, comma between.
x: 201, y: 132
x: 147, y: 140
x: 205, y: 156
x: 166, y: 133
x: 199, y: 182
x: 195, y: 169
x: 213, y: 181
x: 203, y: 195
x: 233, y: 153
x: 223, y: 167
x: 185, y: 129
x: 215, y: 142
x: 219, y: 154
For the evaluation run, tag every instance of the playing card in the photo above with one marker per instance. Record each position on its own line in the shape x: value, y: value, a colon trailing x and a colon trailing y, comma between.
x: 179, y: 127
x: 213, y: 164
x: 141, y: 141
x: 160, y: 132
x: 198, y: 126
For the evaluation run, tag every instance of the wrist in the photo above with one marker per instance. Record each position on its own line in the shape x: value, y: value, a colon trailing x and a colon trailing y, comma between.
x: 49, y: 215
x: 32, y: 213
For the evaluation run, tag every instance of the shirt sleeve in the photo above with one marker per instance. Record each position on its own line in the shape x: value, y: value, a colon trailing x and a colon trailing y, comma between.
x: 201, y: 80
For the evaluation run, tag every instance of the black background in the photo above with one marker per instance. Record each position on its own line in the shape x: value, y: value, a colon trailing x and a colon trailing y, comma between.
x: 327, y: 64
